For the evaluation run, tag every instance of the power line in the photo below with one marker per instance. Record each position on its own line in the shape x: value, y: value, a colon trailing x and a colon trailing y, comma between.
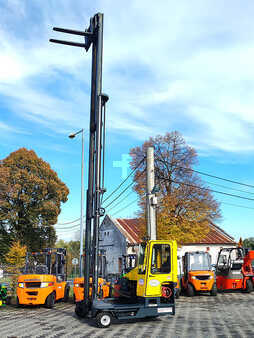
x: 123, y: 190
x: 217, y: 177
x: 123, y: 199
x: 69, y: 222
x: 236, y: 205
x: 223, y: 186
x: 119, y: 186
x: 126, y: 206
x: 72, y: 227
x: 215, y: 191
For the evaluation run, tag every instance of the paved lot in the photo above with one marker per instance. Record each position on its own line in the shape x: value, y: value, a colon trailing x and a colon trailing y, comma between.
x: 227, y: 315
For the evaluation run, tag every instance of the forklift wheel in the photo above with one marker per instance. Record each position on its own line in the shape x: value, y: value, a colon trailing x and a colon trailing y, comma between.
x: 17, y: 302
x: 190, y: 290
x: 80, y: 310
x: 249, y: 286
x: 213, y: 291
x: 103, y: 319
x: 50, y: 301
x: 66, y: 294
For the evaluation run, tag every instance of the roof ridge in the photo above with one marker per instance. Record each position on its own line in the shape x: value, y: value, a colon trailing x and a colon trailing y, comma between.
x: 221, y: 230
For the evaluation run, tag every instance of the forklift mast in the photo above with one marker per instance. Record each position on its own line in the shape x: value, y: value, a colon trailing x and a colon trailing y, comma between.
x: 93, y: 35
x: 52, y: 262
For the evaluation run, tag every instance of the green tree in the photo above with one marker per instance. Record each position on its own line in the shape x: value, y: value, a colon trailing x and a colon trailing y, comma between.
x: 249, y: 243
x: 73, y: 249
x: 185, y: 208
x: 30, y: 200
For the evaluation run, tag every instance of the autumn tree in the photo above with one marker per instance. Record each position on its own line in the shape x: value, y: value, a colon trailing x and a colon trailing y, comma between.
x: 30, y: 201
x: 15, y: 258
x: 186, y: 205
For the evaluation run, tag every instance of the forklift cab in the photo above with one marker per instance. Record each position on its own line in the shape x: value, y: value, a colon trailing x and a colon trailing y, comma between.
x: 198, y: 275
x: 230, y: 261
x: 157, y: 266
x: 196, y: 261
x: 231, y: 270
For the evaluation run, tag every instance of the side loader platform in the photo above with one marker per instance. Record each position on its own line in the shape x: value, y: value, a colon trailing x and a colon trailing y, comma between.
x: 105, y: 310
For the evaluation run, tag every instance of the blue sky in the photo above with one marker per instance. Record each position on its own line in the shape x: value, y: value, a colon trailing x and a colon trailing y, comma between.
x: 185, y: 66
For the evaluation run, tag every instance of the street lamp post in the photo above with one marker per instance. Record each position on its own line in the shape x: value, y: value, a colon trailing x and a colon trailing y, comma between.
x: 82, y: 202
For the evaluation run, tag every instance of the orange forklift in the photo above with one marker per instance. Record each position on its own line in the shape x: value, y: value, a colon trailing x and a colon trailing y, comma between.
x: 104, y: 287
x: 44, y: 278
x: 197, y: 274
x: 235, y: 269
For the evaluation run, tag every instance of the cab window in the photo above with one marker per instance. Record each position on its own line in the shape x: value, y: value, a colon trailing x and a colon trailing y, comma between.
x: 161, y: 260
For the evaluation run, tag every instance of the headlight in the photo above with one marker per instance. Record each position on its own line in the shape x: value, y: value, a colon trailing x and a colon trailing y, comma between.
x: 193, y: 277
x: 46, y: 284
x: 76, y: 285
x: 20, y: 285
x: 210, y: 277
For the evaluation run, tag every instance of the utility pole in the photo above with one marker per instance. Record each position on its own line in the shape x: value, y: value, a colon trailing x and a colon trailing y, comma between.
x: 151, y: 199
x: 93, y: 36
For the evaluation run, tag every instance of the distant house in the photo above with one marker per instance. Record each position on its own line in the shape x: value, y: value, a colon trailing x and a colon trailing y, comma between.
x: 119, y: 237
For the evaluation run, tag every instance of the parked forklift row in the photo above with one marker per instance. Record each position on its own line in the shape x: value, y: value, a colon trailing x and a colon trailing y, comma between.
x: 234, y: 271
x: 44, y: 278
x: 147, y: 290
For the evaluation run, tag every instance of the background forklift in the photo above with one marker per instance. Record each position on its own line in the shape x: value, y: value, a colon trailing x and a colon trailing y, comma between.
x: 197, y: 274
x: 104, y: 287
x: 44, y: 278
x: 235, y: 269
x: 151, y: 285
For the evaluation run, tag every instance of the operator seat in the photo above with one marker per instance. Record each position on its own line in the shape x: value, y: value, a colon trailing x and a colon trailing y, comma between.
x: 41, y: 269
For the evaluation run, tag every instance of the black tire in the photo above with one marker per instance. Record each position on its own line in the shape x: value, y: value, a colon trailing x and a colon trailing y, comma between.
x: 190, y: 290
x: 213, y: 291
x: 8, y: 300
x: 66, y: 294
x: 50, y: 301
x: 103, y: 319
x: 80, y: 310
x: 17, y: 302
x: 110, y: 291
x: 177, y: 293
x: 249, y: 286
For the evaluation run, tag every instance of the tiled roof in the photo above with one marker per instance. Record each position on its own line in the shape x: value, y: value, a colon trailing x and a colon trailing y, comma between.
x: 216, y: 236
x: 129, y: 227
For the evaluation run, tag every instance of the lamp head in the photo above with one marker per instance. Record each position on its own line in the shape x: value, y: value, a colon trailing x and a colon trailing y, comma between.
x: 72, y: 135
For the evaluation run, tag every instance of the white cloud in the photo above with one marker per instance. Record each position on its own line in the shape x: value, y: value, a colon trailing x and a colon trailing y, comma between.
x: 156, y: 59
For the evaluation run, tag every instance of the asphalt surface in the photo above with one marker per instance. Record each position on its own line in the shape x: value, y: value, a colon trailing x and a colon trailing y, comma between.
x: 227, y: 315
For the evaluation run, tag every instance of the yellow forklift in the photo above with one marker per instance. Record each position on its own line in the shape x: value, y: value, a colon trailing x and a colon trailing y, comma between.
x: 150, y: 286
